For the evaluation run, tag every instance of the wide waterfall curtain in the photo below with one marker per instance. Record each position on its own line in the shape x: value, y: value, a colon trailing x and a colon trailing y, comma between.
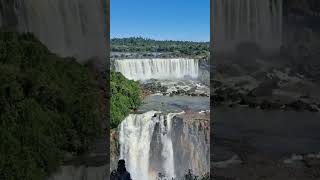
x: 247, y: 21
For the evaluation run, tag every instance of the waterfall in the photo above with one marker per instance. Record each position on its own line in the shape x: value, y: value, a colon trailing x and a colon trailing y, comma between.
x: 67, y: 27
x: 258, y: 21
x: 167, y: 151
x: 143, y: 69
x: 135, y: 137
x: 137, y: 132
x: 154, y: 142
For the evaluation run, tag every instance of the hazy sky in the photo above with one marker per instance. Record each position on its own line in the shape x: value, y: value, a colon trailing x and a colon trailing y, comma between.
x: 161, y: 19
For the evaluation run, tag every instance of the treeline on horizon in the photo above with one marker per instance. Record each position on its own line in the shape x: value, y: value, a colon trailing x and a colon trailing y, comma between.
x: 145, y: 45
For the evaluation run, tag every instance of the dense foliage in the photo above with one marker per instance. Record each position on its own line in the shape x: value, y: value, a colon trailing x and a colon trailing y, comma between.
x: 176, y: 48
x: 125, y: 97
x: 49, y: 106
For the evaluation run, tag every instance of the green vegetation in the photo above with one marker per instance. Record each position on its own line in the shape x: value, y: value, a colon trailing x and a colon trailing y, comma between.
x: 125, y: 97
x: 174, y: 48
x: 188, y: 176
x: 49, y: 107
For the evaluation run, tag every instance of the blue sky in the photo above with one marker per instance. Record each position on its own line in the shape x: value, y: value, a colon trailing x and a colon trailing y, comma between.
x: 161, y: 19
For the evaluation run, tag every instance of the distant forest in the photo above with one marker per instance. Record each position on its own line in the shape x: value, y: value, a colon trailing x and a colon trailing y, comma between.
x: 175, y: 48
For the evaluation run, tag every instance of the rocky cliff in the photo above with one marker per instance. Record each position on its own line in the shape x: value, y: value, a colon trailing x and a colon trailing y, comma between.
x: 191, y: 139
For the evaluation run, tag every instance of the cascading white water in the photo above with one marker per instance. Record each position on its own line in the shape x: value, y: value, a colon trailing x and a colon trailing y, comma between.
x: 167, y: 151
x: 258, y: 21
x: 136, y: 133
x: 143, y: 69
x: 135, y: 137
x: 67, y: 27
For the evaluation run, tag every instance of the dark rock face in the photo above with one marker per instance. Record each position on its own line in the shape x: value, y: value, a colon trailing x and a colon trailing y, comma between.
x: 114, y: 148
x: 156, y: 160
x: 191, y: 144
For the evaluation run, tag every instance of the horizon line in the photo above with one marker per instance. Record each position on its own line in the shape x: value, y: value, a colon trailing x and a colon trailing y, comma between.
x: 156, y: 39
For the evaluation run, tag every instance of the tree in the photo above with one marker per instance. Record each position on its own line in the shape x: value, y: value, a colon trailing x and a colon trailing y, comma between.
x: 125, y: 96
x: 49, y: 106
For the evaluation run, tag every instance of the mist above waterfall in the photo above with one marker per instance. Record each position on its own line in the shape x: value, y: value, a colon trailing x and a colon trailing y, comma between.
x: 143, y: 69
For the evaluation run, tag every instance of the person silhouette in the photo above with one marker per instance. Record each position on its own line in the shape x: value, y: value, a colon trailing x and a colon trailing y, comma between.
x: 121, y: 173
